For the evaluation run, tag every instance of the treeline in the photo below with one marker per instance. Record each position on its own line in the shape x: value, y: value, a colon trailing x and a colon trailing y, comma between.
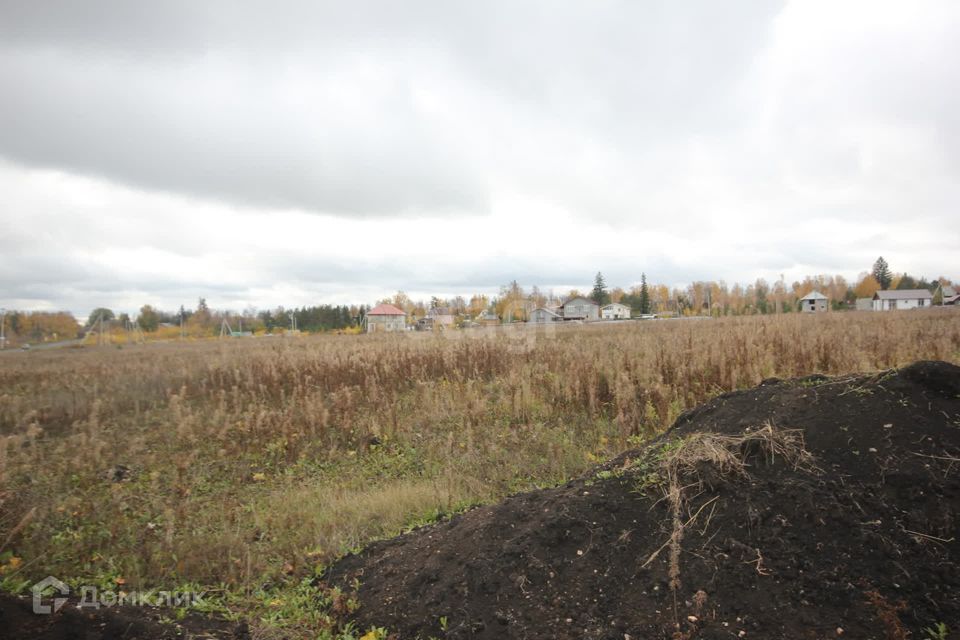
x: 204, y: 321
x: 324, y: 317
x: 514, y: 301
x: 39, y: 326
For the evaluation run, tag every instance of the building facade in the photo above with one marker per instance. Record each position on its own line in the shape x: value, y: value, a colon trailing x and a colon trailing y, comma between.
x: 385, y: 317
x: 580, y: 308
x: 814, y: 302
x: 615, y: 311
x: 902, y: 299
x: 543, y: 315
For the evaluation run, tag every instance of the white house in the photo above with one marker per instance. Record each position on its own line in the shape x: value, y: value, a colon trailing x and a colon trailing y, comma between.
x: 615, y: 311
x: 814, y: 302
x: 385, y: 317
x: 902, y: 299
x: 580, y: 308
x: 542, y: 314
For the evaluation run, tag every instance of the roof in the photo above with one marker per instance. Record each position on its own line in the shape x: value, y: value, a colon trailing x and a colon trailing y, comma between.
x: 814, y: 295
x: 568, y: 301
x: 544, y: 309
x: 385, y: 310
x: 903, y: 294
x: 616, y: 304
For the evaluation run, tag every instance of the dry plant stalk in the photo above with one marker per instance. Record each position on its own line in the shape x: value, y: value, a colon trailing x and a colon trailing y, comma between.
x: 20, y: 526
x: 888, y: 613
x: 729, y: 455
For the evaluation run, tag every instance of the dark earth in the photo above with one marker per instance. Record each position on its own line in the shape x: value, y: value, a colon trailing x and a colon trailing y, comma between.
x: 859, y: 542
x: 17, y: 621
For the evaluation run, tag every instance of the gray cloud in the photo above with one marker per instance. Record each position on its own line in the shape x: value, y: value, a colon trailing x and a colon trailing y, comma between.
x: 327, y: 107
x: 301, y: 150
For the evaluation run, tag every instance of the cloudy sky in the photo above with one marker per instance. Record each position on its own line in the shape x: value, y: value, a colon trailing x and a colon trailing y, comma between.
x: 264, y: 153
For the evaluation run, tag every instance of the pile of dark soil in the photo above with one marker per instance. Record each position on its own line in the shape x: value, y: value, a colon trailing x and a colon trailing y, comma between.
x: 861, y: 541
x: 19, y: 622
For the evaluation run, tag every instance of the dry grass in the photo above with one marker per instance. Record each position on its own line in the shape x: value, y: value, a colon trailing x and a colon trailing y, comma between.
x: 248, y: 457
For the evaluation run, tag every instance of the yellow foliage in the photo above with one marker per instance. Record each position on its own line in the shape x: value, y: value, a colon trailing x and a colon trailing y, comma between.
x: 11, y: 565
x: 866, y: 287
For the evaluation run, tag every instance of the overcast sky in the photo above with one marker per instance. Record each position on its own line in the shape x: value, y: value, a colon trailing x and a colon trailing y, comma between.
x: 264, y: 153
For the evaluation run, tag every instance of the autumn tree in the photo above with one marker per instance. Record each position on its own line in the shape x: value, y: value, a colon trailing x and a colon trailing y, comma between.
x: 97, y: 314
x: 866, y: 286
x: 881, y: 273
x: 403, y: 302
x: 537, y: 298
x: 149, y: 319
x: 202, y: 317
x: 478, y: 304
x: 660, y: 297
x: 761, y: 289
x: 39, y: 326
x: 512, y: 304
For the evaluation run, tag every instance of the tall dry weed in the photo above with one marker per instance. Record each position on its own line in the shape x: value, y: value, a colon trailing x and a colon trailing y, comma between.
x: 215, y: 434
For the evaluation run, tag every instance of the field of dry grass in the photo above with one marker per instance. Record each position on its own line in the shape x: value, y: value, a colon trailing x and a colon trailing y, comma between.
x: 245, y: 464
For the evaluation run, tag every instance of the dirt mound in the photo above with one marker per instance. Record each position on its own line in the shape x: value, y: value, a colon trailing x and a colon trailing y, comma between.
x: 809, y: 508
x: 19, y: 622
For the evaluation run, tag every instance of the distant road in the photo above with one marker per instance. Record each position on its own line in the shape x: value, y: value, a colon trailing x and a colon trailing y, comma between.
x: 43, y: 345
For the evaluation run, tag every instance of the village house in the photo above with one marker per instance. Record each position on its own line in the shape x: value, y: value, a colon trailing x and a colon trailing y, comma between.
x: 902, y: 299
x: 949, y: 295
x: 487, y: 319
x: 814, y: 302
x: 615, y: 311
x: 385, y: 317
x: 580, y: 308
x: 542, y: 315
x: 441, y: 316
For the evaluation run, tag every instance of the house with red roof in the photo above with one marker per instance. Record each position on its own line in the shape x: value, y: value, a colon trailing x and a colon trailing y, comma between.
x: 385, y: 317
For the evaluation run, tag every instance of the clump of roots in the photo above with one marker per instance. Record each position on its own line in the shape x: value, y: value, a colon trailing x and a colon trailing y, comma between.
x: 681, y: 462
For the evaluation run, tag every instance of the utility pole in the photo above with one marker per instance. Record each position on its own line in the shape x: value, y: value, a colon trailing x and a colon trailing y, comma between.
x: 3, y: 321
